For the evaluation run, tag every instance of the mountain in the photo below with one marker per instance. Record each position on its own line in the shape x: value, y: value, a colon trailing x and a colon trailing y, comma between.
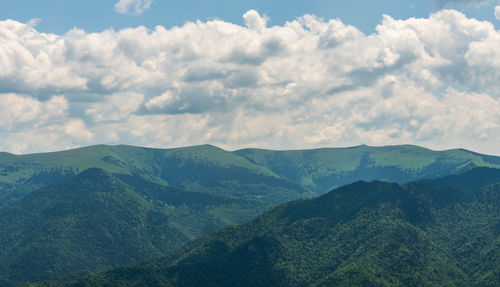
x: 177, y: 195
x: 320, y: 170
x: 205, y: 169
x: 94, y: 221
x: 361, y: 234
x: 273, y: 177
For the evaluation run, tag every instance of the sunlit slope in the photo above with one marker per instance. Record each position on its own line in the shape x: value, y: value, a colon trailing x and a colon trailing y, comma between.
x: 273, y: 176
x: 205, y: 169
x: 320, y: 170
x: 216, y: 171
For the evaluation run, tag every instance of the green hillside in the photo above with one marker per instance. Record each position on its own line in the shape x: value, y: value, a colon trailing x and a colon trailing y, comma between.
x: 321, y: 170
x: 206, y: 169
x: 362, y: 234
x: 94, y: 221
x: 213, y: 170
x: 271, y: 176
x: 193, y: 190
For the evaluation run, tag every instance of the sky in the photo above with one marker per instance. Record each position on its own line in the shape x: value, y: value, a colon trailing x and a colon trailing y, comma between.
x: 236, y: 74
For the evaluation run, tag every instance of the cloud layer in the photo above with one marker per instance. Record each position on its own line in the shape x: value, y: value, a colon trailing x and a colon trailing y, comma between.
x: 308, y: 83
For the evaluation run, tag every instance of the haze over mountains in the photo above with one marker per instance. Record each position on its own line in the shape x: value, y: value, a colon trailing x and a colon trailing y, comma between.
x: 101, y: 207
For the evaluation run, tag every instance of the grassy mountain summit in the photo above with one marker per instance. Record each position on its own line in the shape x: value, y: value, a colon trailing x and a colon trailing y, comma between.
x: 271, y: 176
x: 362, y: 234
x: 206, y: 169
x: 320, y: 170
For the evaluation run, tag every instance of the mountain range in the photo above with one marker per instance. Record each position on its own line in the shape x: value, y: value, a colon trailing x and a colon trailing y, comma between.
x: 209, y: 169
x: 424, y: 233
x: 100, y: 207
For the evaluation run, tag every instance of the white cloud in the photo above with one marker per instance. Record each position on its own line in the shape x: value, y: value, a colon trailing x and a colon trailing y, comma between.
x: 255, y: 21
x: 161, y: 102
x: 114, y: 108
x: 497, y: 12
x: 134, y: 7
x: 18, y: 111
x: 76, y: 129
x: 34, y: 22
x: 308, y: 83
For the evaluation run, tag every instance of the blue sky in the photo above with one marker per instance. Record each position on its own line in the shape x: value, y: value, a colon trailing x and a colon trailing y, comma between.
x: 59, y: 16
x: 269, y: 74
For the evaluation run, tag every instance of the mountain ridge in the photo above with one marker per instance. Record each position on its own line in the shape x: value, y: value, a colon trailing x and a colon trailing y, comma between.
x: 341, y: 162
x: 195, y: 190
x: 20, y: 175
x: 323, y: 169
x: 336, y: 240
x: 94, y: 221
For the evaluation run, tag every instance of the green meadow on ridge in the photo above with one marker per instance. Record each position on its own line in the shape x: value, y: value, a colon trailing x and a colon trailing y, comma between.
x: 193, y: 168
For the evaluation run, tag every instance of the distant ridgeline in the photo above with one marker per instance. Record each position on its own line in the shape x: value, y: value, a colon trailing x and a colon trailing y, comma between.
x: 443, y: 232
x: 244, y: 173
x: 100, y: 207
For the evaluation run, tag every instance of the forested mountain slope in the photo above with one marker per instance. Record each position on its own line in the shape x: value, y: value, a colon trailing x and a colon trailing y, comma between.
x: 184, y: 192
x: 362, y: 234
x: 95, y: 221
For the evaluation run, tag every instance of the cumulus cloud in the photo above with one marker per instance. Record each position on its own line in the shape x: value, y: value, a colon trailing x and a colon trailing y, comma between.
x: 161, y: 102
x: 76, y: 129
x: 115, y: 108
x: 254, y: 20
x: 134, y: 7
x: 18, y: 111
x: 310, y: 82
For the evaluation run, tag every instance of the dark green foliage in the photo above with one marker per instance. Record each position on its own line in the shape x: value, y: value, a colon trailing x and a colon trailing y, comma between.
x: 362, y: 234
x: 95, y: 221
x: 5, y: 283
x: 471, y: 179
